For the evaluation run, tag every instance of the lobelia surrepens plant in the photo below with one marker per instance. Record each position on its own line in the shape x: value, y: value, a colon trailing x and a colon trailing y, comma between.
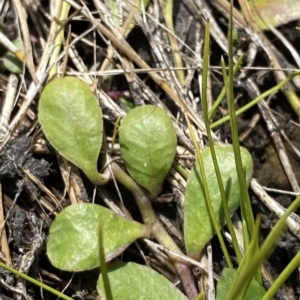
x: 71, y: 120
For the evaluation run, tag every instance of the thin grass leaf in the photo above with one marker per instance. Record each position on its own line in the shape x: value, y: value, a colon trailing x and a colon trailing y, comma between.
x: 219, y: 178
x: 104, y: 272
x: 265, y: 250
x: 262, y: 96
x: 34, y: 281
x: 283, y: 276
x: 211, y: 143
x: 245, y: 201
x: 222, y: 95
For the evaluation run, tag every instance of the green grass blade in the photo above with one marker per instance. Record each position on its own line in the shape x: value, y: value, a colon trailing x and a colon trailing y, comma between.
x: 246, y: 208
x: 103, y: 264
x: 222, y: 95
x: 245, y: 201
x: 211, y: 145
x: 206, y: 193
x: 201, y: 166
x: 177, y: 59
x: 262, y: 96
x: 35, y: 282
x: 284, y: 275
x: 265, y: 249
x: 239, y: 289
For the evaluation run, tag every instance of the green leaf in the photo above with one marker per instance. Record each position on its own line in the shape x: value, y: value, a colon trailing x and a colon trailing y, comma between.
x: 255, y: 290
x: 10, y: 61
x: 127, y: 104
x: 74, y: 238
x: 148, y: 146
x: 198, y: 229
x: 132, y: 281
x: 72, y: 122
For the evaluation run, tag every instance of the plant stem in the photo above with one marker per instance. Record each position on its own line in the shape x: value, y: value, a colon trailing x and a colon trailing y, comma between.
x: 214, y: 158
x: 34, y: 281
x: 265, y: 250
x: 283, y: 276
x: 158, y: 231
x: 262, y: 96
x: 104, y: 269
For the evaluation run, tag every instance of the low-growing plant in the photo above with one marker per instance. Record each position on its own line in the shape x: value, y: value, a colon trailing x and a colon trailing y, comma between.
x: 72, y: 121
x: 87, y: 235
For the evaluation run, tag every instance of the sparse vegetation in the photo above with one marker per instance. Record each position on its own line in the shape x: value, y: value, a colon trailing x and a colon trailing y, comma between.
x: 133, y: 132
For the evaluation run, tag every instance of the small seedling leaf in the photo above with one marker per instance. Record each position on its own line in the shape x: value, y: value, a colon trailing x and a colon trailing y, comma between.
x: 72, y: 122
x: 255, y: 290
x: 10, y: 61
x: 132, y: 281
x: 148, y: 146
x: 198, y: 229
x: 74, y: 238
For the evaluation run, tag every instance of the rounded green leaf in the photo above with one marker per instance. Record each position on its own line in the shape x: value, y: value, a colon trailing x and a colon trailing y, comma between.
x: 198, y: 229
x: 148, y: 146
x: 74, y: 238
x: 254, y: 292
x: 10, y: 61
x: 71, y: 119
x: 132, y: 281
